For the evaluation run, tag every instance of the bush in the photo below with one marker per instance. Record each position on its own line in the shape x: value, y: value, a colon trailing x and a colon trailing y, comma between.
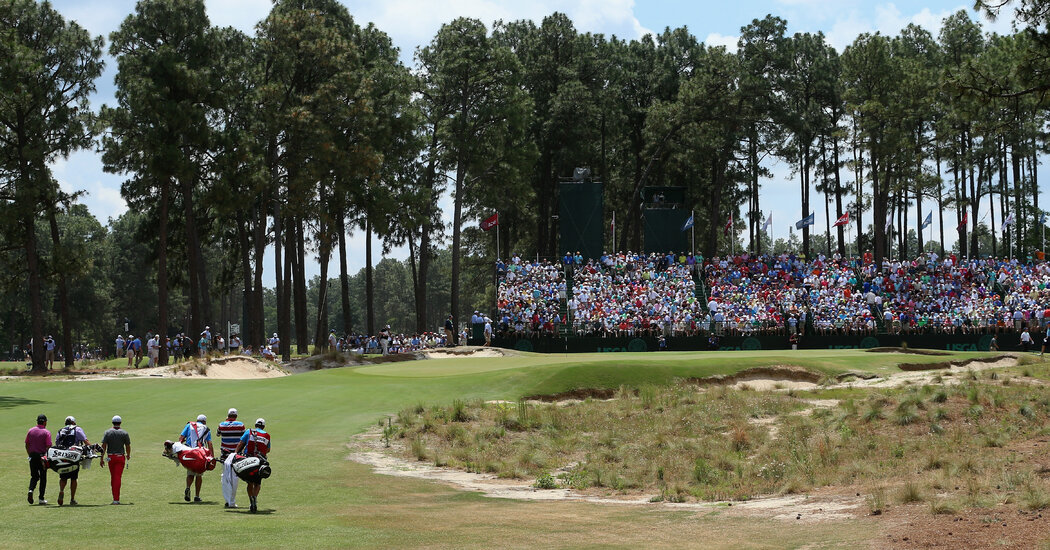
x: 545, y: 481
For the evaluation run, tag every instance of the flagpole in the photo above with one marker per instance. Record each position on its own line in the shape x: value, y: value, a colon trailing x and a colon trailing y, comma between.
x: 497, y: 235
x: 613, y: 248
x: 692, y: 232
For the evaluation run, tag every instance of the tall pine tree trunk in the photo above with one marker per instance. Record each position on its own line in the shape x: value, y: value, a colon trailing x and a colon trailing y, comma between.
x: 285, y: 299
x: 457, y: 221
x: 344, y: 276
x: 162, y: 271
x: 63, y: 293
x: 370, y: 310
x: 302, y: 330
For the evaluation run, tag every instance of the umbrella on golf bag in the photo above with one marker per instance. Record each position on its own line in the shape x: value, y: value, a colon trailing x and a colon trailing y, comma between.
x: 195, y: 459
x: 66, y: 460
x: 251, y: 469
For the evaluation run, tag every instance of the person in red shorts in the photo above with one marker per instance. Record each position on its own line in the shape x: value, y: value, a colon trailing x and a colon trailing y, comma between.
x: 116, y: 450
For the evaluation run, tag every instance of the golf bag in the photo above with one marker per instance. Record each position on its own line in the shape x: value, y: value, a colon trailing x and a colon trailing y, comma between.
x: 195, y: 459
x: 252, y: 469
x: 64, y: 461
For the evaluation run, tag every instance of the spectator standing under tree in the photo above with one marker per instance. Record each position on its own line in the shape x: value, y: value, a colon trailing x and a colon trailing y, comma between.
x: 196, y: 434
x: 450, y: 329
x: 49, y: 347
x: 153, y: 345
x: 116, y: 450
x: 38, y: 441
x: 1026, y: 340
x: 275, y: 345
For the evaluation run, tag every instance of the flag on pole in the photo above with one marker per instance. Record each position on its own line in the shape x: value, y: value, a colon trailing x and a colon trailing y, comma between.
x: 1008, y: 221
x: 488, y: 223
x: 889, y: 222
x: 688, y: 223
x: 808, y: 220
x: 729, y: 225
x: 769, y: 222
x: 926, y: 223
x: 965, y: 220
x: 843, y: 220
x: 1042, y: 218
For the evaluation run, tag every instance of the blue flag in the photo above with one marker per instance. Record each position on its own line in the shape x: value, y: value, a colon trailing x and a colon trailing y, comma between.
x: 808, y: 220
x: 688, y: 223
x: 1042, y: 218
x: 926, y: 223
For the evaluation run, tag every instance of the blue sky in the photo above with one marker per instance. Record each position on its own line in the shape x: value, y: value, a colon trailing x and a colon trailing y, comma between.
x: 412, y: 23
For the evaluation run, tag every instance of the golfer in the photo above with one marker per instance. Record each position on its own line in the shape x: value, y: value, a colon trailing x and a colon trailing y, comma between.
x: 116, y: 450
x: 255, y: 442
x: 38, y: 440
x: 196, y: 434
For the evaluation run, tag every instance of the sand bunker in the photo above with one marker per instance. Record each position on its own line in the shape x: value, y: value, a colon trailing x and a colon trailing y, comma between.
x: 472, y: 351
x: 221, y: 368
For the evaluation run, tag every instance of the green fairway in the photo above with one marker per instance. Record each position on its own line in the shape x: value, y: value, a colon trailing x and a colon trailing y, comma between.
x: 316, y: 498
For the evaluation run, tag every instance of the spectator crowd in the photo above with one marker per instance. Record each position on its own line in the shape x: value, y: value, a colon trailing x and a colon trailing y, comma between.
x: 631, y: 294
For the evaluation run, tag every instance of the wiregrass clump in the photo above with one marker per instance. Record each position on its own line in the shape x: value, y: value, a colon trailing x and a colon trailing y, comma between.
x: 676, y: 443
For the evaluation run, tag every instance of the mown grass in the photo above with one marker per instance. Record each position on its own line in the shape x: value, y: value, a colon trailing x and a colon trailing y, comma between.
x: 682, y: 444
x: 318, y: 499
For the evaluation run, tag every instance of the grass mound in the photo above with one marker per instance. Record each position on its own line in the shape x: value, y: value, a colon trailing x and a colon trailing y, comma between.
x: 960, y: 443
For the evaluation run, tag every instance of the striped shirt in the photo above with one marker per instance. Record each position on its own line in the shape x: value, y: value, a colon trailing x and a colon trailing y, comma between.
x: 230, y: 432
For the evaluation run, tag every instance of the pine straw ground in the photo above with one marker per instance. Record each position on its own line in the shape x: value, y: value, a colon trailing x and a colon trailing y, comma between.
x: 944, y: 449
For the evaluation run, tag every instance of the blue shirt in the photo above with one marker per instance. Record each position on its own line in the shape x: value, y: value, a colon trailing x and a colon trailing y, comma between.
x: 191, y: 436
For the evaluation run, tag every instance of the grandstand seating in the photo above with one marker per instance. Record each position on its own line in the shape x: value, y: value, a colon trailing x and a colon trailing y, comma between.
x: 628, y: 294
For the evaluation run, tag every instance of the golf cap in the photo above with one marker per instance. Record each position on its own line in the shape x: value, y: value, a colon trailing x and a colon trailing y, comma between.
x: 232, y: 412
x: 275, y: 335
x: 260, y: 422
x: 41, y: 418
x: 116, y: 419
x: 70, y: 420
x: 202, y: 418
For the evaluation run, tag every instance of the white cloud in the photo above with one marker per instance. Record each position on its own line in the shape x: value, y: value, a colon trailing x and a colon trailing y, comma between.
x: 717, y: 39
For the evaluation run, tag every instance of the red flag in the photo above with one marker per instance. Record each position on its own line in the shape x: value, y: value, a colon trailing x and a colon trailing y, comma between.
x: 965, y: 219
x: 843, y: 220
x: 490, y: 222
x: 729, y: 225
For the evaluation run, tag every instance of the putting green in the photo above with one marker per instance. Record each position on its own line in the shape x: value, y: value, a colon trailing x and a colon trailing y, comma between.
x: 316, y: 498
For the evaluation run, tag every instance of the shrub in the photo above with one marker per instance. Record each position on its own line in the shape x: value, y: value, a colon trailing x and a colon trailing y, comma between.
x: 910, y: 493
x: 1026, y: 411
x: 545, y: 481
x: 703, y: 473
x: 940, y: 397
x: 459, y: 411
x: 943, y: 507
x: 419, y: 448
x: 876, y: 500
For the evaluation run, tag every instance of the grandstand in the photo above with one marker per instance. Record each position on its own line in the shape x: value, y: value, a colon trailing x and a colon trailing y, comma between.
x: 769, y: 301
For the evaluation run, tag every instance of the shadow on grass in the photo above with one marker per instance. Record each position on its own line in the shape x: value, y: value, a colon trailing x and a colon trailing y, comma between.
x: 201, y: 503
x: 7, y: 402
x: 248, y: 512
